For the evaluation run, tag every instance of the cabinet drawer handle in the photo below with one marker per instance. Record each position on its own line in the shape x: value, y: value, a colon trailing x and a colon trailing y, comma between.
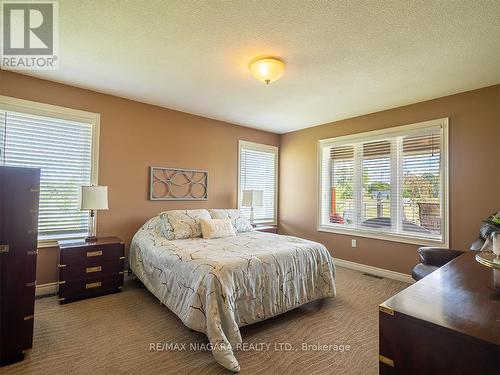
x: 93, y: 269
x: 4, y: 248
x: 93, y: 285
x: 94, y: 253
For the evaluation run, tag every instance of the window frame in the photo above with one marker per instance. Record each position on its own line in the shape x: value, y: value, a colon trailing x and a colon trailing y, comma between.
x: 264, y: 148
x: 377, y: 135
x: 8, y: 103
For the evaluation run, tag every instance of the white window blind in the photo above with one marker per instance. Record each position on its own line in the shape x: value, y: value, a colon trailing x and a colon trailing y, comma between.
x: 258, y: 171
x: 386, y: 184
x: 63, y: 151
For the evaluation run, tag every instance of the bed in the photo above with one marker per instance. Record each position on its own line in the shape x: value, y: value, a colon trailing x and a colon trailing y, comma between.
x: 216, y: 286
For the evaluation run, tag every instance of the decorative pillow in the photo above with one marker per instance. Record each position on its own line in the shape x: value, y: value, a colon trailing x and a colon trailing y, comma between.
x: 186, y: 223
x: 217, y: 228
x: 165, y: 228
x: 239, y: 221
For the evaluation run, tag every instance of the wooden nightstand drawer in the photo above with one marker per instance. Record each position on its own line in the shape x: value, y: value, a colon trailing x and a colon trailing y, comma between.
x: 92, y: 268
x: 90, y: 287
x: 91, y: 254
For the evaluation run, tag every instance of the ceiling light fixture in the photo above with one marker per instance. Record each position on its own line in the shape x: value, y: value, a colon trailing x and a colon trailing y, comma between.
x: 267, y: 69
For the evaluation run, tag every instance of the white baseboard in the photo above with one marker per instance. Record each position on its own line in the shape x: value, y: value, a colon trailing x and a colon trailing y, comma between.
x: 44, y: 289
x: 374, y: 270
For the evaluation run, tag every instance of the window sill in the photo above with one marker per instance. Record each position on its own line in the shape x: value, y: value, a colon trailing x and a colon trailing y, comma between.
x: 413, y: 240
x: 52, y: 242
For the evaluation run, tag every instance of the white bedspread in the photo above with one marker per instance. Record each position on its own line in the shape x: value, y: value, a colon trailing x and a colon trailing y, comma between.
x: 216, y: 286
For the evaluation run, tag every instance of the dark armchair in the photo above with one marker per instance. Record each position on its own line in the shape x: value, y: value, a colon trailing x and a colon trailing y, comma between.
x: 431, y: 258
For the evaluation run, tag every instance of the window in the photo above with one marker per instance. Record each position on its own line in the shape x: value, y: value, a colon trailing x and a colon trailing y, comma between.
x: 63, y: 143
x: 388, y: 184
x: 258, y: 170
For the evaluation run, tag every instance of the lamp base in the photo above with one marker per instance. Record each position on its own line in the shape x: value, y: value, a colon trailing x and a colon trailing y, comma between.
x: 91, y: 239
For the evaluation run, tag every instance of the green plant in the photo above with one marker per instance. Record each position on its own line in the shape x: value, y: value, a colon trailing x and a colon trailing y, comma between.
x: 493, y: 220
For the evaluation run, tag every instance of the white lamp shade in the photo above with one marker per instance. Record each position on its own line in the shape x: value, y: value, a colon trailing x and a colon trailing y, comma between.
x: 253, y: 198
x: 94, y: 198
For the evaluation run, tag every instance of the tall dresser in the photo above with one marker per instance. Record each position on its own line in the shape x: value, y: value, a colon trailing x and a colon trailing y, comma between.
x: 19, y: 194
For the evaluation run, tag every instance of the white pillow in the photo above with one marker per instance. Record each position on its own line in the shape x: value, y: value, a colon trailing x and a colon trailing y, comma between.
x: 186, y: 223
x: 239, y: 221
x: 217, y: 228
x: 166, y: 229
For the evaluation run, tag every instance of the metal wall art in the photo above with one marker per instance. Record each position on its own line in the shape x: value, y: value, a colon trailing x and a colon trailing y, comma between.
x: 170, y: 184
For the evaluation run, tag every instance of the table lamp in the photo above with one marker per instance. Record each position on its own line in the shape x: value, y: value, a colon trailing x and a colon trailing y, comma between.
x: 93, y: 198
x: 252, y: 199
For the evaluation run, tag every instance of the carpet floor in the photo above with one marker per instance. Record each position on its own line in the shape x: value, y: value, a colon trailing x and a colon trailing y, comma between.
x: 113, y: 335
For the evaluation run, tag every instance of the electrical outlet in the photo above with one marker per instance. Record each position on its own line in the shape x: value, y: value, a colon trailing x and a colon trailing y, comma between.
x: 354, y: 243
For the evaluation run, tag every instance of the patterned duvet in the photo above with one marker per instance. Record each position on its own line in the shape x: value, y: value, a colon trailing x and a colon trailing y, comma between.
x: 216, y: 286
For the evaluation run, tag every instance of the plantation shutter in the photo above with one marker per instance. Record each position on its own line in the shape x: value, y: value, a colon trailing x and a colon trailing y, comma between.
x: 421, y: 158
x: 341, y: 209
x: 258, y: 172
x: 63, y: 151
x: 387, y: 184
x: 375, y: 184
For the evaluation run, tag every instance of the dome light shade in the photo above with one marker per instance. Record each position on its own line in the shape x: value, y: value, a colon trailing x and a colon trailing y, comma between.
x: 267, y: 69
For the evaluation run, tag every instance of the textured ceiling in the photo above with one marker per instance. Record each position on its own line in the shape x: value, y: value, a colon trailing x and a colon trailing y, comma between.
x: 344, y: 58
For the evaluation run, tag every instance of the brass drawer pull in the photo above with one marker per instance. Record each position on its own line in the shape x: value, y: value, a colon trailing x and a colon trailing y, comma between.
x: 386, y: 360
x: 29, y: 317
x: 93, y: 285
x: 4, y: 248
x: 385, y: 309
x: 122, y: 258
x: 93, y: 269
x: 34, y: 252
x: 94, y: 253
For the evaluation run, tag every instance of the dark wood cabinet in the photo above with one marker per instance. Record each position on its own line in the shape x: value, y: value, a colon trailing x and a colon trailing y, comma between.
x: 90, y: 269
x: 19, y: 195
x: 446, y: 323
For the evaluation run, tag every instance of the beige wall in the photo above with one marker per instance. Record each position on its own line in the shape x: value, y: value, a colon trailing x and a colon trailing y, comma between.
x: 135, y: 136
x: 474, y: 145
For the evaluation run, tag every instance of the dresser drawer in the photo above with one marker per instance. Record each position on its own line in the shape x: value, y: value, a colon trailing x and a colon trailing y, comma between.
x: 90, y: 269
x: 89, y: 287
x: 28, y: 334
x: 91, y: 255
x: 30, y: 266
x: 27, y: 300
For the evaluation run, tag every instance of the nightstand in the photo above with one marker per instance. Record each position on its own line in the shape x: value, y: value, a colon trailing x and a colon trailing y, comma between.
x: 267, y: 228
x: 90, y: 269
